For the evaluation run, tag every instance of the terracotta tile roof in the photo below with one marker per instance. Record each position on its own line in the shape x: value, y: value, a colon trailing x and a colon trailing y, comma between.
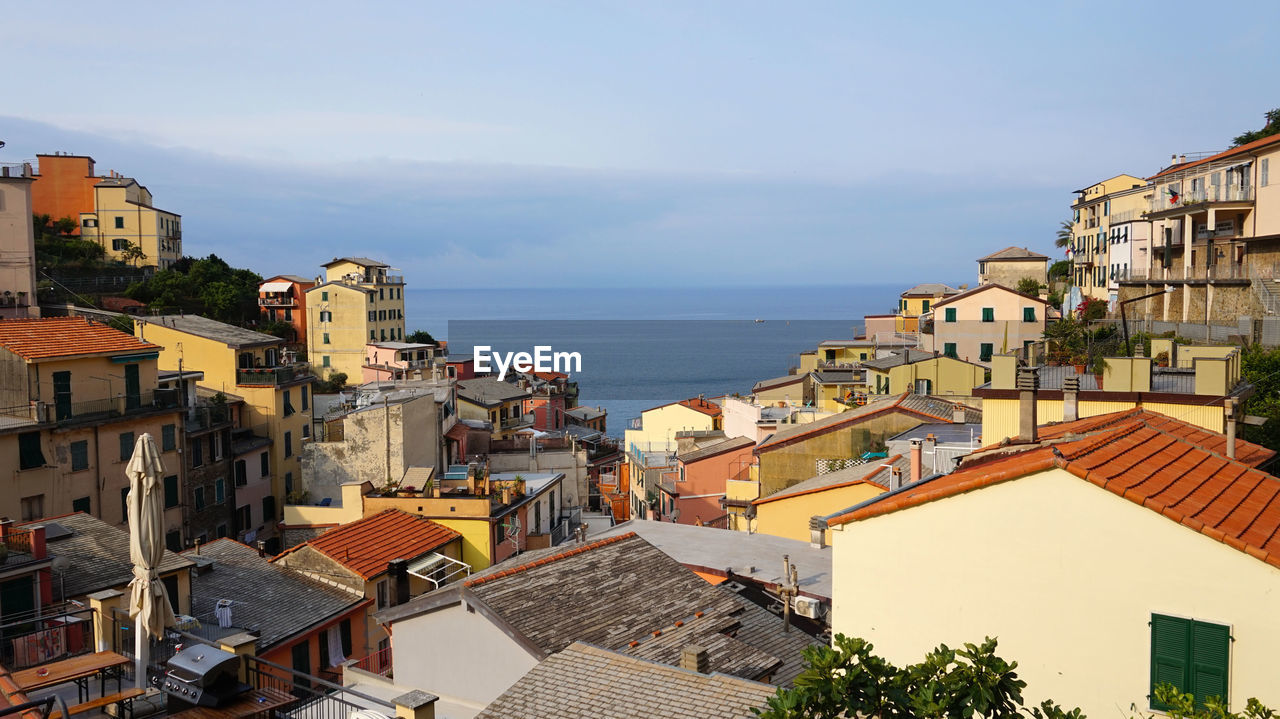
x: 1248, y: 453
x: 1164, y: 471
x: 67, y: 337
x: 1225, y: 154
x: 366, y: 545
x: 989, y: 286
x: 702, y: 405
x: 1013, y: 253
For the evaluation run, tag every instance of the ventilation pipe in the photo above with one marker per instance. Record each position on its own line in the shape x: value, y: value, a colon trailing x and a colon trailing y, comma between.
x: 1071, y: 398
x: 1028, y: 389
x: 1231, y: 427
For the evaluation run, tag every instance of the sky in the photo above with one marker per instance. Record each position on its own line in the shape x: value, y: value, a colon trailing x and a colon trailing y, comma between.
x: 630, y: 144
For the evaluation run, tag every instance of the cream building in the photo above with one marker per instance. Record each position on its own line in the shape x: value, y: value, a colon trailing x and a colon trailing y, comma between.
x: 1100, y: 570
x: 124, y: 214
x: 358, y: 302
x: 1115, y: 201
x: 17, y: 244
x: 978, y: 324
x: 1011, y: 265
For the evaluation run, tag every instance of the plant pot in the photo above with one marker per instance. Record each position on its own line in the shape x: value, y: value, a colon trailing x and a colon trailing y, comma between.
x: 1098, y: 378
x: 1079, y: 368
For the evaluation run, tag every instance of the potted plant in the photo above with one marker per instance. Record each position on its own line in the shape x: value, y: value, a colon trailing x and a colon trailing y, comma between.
x: 1098, y: 366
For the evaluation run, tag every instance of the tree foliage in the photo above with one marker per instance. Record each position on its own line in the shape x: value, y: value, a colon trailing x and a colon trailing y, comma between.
x: 1181, y: 705
x: 1261, y: 368
x: 207, y: 286
x: 1063, y: 236
x: 57, y: 247
x: 1060, y: 270
x: 848, y: 680
x: 1270, y: 128
x: 1029, y: 286
x: 420, y: 337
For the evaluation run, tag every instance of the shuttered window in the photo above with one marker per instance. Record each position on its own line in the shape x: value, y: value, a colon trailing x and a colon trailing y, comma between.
x: 950, y: 314
x: 1191, y: 655
x: 126, y: 446
x: 169, y: 437
x: 1028, y: 314
x: 171, y: 491
x: 949, y: 349
x: 984, y: 351
x: 988, y: 314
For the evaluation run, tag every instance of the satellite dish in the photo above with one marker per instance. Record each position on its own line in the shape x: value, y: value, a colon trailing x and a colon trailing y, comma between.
x: 60, y: 564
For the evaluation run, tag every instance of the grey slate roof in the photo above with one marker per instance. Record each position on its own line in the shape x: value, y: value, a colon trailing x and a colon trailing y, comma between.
x: 937, y: 409
x: 899, y: 357
x: 776, y: 382
x: 932, y: 289
x: 98, y: 553
x: 758, y: 627
x: 1013, y: 253
x: 584, y: 412
x: 588, y: 681
x: 838, y: 376
x: 489, y: 390
x: 231, y: 335
x: 872, y: 471
x: 357, y: 260
x: 276, y: 601
x: 712, y: 450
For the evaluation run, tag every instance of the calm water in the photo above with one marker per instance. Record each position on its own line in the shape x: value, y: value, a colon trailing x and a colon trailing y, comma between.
x: 643, y: 348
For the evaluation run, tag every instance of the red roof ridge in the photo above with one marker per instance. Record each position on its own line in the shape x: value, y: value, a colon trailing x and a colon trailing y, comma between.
x: 548, y: 559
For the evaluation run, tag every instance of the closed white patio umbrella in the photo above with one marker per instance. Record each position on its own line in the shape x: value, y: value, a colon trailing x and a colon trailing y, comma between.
x: 148, y: 602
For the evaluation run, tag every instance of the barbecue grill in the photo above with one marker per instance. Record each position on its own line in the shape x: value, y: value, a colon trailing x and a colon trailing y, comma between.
x: 201, y: 675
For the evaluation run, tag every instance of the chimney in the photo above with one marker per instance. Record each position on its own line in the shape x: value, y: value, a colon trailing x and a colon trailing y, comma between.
x: 930, y: 443
x: 398, y: 570
x: 38, y: 548
x: 917, y: 459
x: 1028, y: 389
x: 695, y: 659
x: 895, y: 478
x: 958, y: 415
x: 1071, y: 398
x: 1231, y: 427
x: 817, y: 532
x: 1182, y: 159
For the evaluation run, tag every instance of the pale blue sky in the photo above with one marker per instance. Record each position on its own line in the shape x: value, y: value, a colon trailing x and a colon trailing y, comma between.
x: 595, y: 143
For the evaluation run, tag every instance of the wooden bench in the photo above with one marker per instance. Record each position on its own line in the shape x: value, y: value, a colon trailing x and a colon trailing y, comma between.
x: 123, y: 699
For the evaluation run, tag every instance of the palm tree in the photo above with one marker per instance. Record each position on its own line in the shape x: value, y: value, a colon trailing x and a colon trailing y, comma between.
x: 1064, y: 234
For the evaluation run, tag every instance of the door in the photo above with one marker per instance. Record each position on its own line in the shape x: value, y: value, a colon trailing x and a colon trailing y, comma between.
x: 132, y: 387
x: 62, y: 395
x: 301, y: 663
x: 17, y: 596
x: 171, y: 588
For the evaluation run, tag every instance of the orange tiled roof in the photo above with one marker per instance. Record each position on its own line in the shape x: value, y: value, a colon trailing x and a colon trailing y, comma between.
x: 1242, y: 150
x: 66, y: 337
x: 1224, y: 499
x: 1248, y: 453
x: 702, y: 405
x: 547, y: 560
x: 366, y: 545
x: 550, y: 376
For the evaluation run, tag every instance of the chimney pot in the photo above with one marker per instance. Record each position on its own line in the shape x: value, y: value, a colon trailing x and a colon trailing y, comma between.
x: 1071, y: 398
x: 917, y: 460
x: 1028, y: 384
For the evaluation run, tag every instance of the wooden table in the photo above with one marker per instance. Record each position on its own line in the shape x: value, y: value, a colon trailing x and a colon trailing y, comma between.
x: 74, y: 669
x: 252, y: 702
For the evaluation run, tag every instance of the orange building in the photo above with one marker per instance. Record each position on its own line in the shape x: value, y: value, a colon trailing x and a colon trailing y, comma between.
x: 64, y: 187
x: 283, y: 298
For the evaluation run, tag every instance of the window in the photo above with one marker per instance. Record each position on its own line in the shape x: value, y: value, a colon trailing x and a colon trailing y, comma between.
x: 306, y: 399
x: 126, y: 446
x: 1263, y: 171
x: 984, y: 352
x: 950, y: 314
x: 169, y: 437
x: 30, y: 455
x: 171, y: 491
x: 173, y: 542
x: 215, y: 445
x: 241, y: 473
x: 288, y: 483
x: 373, y: 335
x: 306, y: 431
x: 221, y: 531
x: 326, y: 316
x: 344, y: 633
x: 384, y: 335
x: 269, y: 508
x: 326, y: 338
x: 197, y: 452
x: 1028, y: 314
x: 219, y: 490
x: 381, y: 294
x: 88, y: 222
x: 119, y: 222
x: 288, y: 444
x: 80, y: 505
x: 80, y: 455
x: 324, y: 296
x: 32, y: 508
x: 949, y: 350
x: 324, y: 360
x: 373, y: 316
x: 1106, y: 207
x: 383, y: 600
x: 265, y: 459
x: 288, y: 403
x: 199, y: 495
x: 924, y: 306
x: 244, y: 518
x: 1193, y: 656
x: 288, y: 314
x: 988, y: 314
x: 382, y: 315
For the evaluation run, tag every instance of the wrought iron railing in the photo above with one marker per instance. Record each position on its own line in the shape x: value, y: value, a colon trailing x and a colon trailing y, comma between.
x: 46, y: 635
x: 377, y: 663
x: 271, y: 375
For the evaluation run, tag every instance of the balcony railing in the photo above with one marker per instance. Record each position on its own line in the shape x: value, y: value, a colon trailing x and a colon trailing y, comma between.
x: 1220, y: 271
x: 277, y: 302
x: 1161, y: 201
x: 520, y: 421
x: 271, y: 375
x: 377, y: 663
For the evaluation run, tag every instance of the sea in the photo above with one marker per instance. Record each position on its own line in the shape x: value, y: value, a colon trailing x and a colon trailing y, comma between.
x: 642, y: 348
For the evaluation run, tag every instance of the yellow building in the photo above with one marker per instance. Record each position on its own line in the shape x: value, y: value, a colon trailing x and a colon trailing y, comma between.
x: 923, y: 373
x: 1202, y: 397
x: 835, y: 390
x: 1131, y: 567
x: 124, y: 214
x: 917, y: 301
x: 651, y: 443
x: 255, y: 367
x: 75, y: 398
x: 502, y: 404
x: 785, y: 390
x: 1098, y: 214
x: 358, y: 302
x: 788, y: 513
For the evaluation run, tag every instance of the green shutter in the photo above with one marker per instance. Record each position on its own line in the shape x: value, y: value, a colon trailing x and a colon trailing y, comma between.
x: 949, y: 349
x: 951, y: 314
x: 80, y: 505
x: 169, y: 437
x: 1028, y: 314
x: 1210, y: 660
x: 126, y: 446
x: 984, y: 351
x: 988, y: 314
x: 171, y: 491
x: 1170, y: 654
x: 79, y: 455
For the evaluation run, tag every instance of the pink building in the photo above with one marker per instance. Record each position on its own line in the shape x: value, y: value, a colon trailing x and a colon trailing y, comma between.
x: 397, y: 360
x: 693, y: 494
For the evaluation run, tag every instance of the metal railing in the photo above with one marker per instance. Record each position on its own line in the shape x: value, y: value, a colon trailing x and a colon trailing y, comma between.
x: 721, y: 522
x: 271, y: 375
x: 377, y: 663
x: 317, y: 698
x: 46, y: 634
x: 277, y: 302
x: 1161, y: 200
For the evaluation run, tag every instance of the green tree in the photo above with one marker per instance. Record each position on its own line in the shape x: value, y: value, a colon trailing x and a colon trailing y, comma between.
x: 1185, y: 706
x: 1063, y: 237
x: 1271, y: 127
x: 1060, y: 270
x: 132, y: 252
x: 64, y: 226
x: 1261, y: 368
x: 848, y: 680
x: 1029, y: 286
x: 420, y: 337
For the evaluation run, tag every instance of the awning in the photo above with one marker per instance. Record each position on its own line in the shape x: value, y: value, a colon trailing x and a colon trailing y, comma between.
x: 439, y: 569
x: 457, y: 432
x: 275, y: 287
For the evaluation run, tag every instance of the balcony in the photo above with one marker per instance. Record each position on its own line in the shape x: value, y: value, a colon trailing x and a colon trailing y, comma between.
x: 1160, y: 202
x: 277, y: 301
x: 525, y: 420
x: 272, y: 375
x: 107, y: 408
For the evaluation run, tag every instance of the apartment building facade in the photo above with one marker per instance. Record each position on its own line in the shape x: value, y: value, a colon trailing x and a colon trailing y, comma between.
x: 358, y: 302
x: 17, y: 244
x: 1106, y: 217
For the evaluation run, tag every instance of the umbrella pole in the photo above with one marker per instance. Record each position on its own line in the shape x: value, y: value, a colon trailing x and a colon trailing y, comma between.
x: 141, y: 648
